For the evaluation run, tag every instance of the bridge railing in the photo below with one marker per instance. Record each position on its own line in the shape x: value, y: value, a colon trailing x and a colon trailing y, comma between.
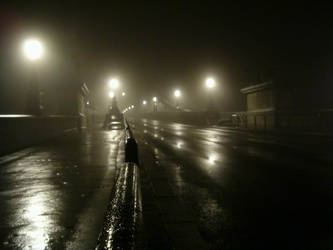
x: 316, y: 120
x: 19, y: 131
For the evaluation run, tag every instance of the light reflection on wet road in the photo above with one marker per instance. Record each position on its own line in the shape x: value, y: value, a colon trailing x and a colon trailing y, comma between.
x: 244, y: 194
x: 55, y: 196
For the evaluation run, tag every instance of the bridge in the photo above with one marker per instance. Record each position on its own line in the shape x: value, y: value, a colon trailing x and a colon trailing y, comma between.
x: 160, y: 183
x: 165, y: 126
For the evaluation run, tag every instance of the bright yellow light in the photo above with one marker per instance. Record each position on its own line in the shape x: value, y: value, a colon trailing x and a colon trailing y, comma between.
x: 154, y: 99
x: 33, y: 49
x: 179, y: 145
x: 114, y: 83
x: 132, y: 106
x: 123, y: 94
x: 210, y: 83
x: 144, y: 102
x: 177, y: 93
x: 111, y: 94
x: 211, y: 159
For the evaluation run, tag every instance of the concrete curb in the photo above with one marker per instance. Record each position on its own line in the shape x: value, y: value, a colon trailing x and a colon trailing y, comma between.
x: 124, y: 212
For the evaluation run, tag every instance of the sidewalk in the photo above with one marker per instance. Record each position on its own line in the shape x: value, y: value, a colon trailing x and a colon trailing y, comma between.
x: 316, y: 145
x: 55, y: 195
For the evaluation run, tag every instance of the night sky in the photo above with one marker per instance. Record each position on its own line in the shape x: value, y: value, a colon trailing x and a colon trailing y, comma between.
x: 155, y: 47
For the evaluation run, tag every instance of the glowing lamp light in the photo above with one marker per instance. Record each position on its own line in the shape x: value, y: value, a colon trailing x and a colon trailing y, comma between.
x: 154, y: 99
x: 177, y: 93
x: 123, y: 94
x: 132, y: 106
x: 211, y: 159
x: 144, y: 102
x: 111, y: 94
x: 114, y: 83
x: 210, y: 83
x: 33, y: 49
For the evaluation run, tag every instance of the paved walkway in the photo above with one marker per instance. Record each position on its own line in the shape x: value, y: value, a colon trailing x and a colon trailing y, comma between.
x: 55, y: 195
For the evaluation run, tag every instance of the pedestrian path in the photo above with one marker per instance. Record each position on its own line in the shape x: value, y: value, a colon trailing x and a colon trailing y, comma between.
x: 54, y: 196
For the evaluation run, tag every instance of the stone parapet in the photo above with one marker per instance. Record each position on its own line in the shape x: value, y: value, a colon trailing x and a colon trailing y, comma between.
x: 20, y: 131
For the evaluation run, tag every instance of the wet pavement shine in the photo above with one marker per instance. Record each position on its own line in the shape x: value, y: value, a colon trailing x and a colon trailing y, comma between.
x: 55, y: 196
x: 238, y: 192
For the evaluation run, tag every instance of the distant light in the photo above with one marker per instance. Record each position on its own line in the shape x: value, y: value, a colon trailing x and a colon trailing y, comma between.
x: 33, y: 49
x: 132, y: 106
x: 179, y: 145
x: 88, y: 103
x: 111, y: 94
x: 177, y: 93
x: 154, y: 99
x: 210, y: 83
x: 123, y: 94
x: 144, y: 102
x: 211, y: 159
x: 114, y: 83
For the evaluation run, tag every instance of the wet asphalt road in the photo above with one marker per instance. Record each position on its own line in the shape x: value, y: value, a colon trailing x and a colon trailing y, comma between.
x: 55, y: 196
x: 244, y: 194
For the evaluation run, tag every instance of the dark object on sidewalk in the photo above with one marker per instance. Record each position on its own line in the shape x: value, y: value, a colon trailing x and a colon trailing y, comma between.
x: 131, y: 151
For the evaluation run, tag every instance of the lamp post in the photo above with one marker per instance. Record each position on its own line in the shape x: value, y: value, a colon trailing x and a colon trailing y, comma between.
x: 177, y: 95
x: 210, y: 85
x: 155, y: 104
x: 144, y: 104
x: 33, y: 51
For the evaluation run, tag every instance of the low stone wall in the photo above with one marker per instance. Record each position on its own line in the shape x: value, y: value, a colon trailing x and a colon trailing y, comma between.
x: 20, y: 131
x: 320, y: 121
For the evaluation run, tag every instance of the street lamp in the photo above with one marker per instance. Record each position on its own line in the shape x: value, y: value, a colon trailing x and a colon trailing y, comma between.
x: 33, y: 50
x: 155, y: 103
x: 123, y: 94
x: 177, y: 94
x: 210, y: 83
x: 111, y: 94
x: 114, y: 83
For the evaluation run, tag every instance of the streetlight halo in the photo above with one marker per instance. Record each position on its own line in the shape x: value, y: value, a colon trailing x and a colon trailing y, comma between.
x: 177, y: 93
x: 210, y: 82
x: 111, y: 94
x: 33, y: 49
x: 114, y: 83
